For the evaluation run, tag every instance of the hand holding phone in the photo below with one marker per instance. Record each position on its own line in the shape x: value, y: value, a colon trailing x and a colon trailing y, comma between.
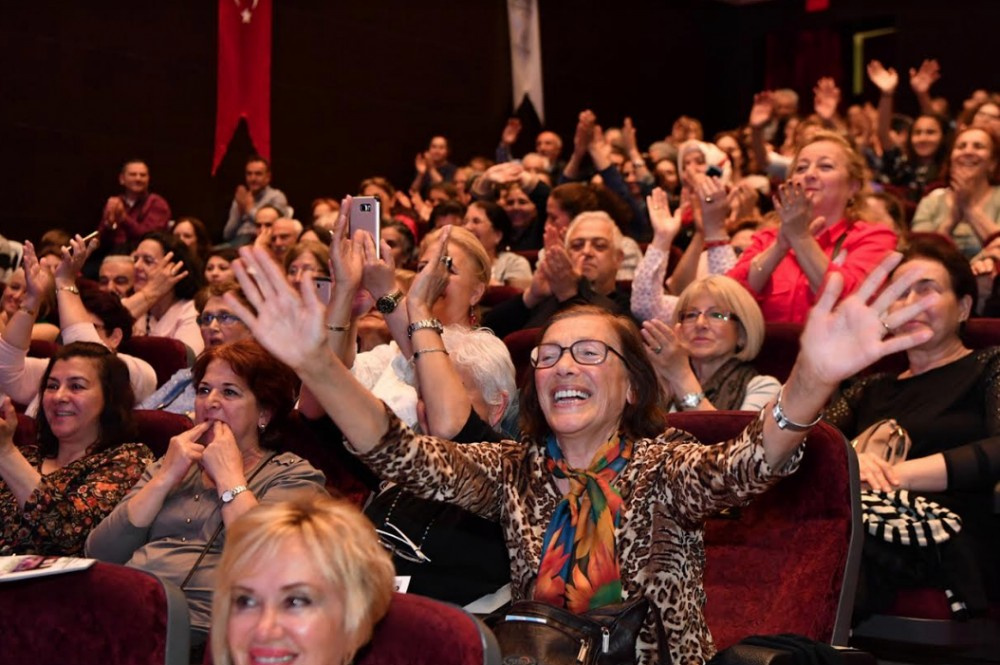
x: 366, y: 214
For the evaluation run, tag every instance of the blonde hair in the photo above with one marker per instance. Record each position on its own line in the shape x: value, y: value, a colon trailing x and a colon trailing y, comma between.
x: 340, y: 540
x: 729, y: 294
x: 857, y: 171
x: 469, y: 243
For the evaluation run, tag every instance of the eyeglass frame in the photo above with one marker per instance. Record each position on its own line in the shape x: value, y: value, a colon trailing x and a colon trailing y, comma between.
x: 224, y: 319
x: 400, y: 537
x: 711, y: 316
x: 533, y: 357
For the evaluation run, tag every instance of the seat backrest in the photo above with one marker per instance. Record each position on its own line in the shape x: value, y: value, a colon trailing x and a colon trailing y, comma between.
x: 422, y: 631
x: 779, y: 350
x: 26, y: 430
x: 788, y: 562
x: 156, y: 428
x: 498, y: 293
x: 165, y: 354
x: 107, y: 614
x: 520, y: 343
x: 42, y: 348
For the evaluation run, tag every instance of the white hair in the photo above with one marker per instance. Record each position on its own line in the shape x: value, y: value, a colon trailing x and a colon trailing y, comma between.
x: 596, y: 216
x: 487, y: 361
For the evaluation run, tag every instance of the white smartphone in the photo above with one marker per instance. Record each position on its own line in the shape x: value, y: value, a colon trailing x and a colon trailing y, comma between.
x: 366, y: 214
x: 322, y: 288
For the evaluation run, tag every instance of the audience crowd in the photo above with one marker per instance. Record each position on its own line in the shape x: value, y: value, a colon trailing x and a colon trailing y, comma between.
x: 646, y: 277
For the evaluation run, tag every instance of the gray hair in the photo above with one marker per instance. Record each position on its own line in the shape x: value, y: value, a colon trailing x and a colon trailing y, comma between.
x: 598, y: 216
x: 117, y: 258
x: 487, y: 361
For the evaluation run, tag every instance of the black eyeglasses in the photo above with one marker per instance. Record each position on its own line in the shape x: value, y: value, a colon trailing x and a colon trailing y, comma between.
x: 584, y: 351
x: 224, y: 319
x: 690, y: 316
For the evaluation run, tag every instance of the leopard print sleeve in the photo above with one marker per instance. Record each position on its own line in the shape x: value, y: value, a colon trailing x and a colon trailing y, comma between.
x: 466, y: 475
x: 704, y: 479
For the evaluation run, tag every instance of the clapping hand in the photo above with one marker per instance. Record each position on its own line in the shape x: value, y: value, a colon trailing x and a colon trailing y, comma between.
x: 795, y: 211
x: 432, y: 280
x: 38, y: 280
x: 669, y: 357
x: 510, y: 131
x: 826, y: 97
x: 762, y: 109
x: 666, y: 225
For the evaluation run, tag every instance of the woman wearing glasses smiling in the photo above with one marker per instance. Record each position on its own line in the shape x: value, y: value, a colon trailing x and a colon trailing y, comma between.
x: 598, y: 472
x: 218, y: 326
x: 703, y: 361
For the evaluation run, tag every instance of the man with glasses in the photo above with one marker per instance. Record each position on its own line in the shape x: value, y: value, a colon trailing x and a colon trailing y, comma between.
x: 579, y: 272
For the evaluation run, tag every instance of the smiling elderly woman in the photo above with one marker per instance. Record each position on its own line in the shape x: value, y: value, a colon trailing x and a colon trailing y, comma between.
x: 598, y: 473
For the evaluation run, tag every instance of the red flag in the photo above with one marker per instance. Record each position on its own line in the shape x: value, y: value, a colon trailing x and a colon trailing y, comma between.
x: 244, y: 84
x: 817, y: 5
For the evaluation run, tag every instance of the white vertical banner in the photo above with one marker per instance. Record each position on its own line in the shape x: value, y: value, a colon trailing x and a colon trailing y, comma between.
x: 526, y: 54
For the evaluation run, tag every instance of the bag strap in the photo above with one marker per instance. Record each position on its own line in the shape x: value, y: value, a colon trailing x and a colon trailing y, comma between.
x: 218, y: 529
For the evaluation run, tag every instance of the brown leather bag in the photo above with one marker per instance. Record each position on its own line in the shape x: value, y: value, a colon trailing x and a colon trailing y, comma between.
x: 886, y: 439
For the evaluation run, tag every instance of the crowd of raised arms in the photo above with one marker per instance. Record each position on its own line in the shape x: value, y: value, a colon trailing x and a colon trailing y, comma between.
x: 646, y: 277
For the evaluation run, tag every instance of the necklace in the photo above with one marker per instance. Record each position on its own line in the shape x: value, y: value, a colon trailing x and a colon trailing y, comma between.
x: 394, y: 539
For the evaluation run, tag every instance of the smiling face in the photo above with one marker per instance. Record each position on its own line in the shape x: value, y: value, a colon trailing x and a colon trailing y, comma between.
x: 305, y: 263
x: 479, y: 224
x: 284, y: 610
x: 134, y: 179
x: 73, y: 400
x: 548, y: 144
x: 945, y: 314
x: 974, y: 153
x: 258, y: 176
x: 225, y: 396
x: 464, y: 289
x: 14, y: 293
x: 926, y: 137
x: 218, y: 270
x: 519, y: 208
x: 822, y: 170
x: 438, y: 150
x: 117, y: 277
x: 582, y: 404
x: 556, y: 216
x: 144, y: 258
x: 706, y: 338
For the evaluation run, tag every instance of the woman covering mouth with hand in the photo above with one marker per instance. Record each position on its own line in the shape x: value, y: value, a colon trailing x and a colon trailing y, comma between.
x: 173, y: 521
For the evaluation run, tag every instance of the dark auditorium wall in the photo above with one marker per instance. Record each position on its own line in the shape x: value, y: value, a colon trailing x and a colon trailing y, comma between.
x: 359, y: 87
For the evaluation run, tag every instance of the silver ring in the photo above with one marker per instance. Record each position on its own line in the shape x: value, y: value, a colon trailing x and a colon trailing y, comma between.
x: 708, y: 199
x: 658, y: 350
x: 888, y: 330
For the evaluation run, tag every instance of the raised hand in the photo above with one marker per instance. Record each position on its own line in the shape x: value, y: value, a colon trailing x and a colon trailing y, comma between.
x: 114, y: 212
x: 73, y: 258
x: 922, y: 79
x: 379, y: 275
x: 420, y: 163
x: 38, y: 280
x: 584, y: 132
x: 841, y: 339
x: 504, y: 173
x: 347, y: 258
x: 714, y: 203
x: 884, y: 79
x: 432, y: 280
x: 162, y: 276
x: 8, y: 423
x: 762, y: 109
x: 292, y: 326
x: 666, y: 225
x: 510, y: 132
x: 629, y: 136
x: 826, y: 97
x: 562, y: 272
x: 244, y: 199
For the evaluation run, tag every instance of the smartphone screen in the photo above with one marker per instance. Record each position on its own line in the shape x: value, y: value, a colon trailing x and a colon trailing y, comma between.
x: 322, y: 288
x: 366, y: 214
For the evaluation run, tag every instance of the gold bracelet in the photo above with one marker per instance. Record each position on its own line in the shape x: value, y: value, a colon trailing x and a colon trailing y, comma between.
x: 338, y: 328
x: 71, y: 288
x: 416, y: 354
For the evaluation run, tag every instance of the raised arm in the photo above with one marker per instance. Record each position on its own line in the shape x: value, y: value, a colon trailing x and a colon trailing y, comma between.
x: 886, y: 80
x: 292, y: 327
x: 921, y: 81
x: 648, y: 298
x: 760, y: 114
x: 163, y: 276
x: 837, y: 342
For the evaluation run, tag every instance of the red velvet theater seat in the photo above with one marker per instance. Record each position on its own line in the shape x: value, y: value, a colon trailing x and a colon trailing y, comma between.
x: 165, y: 354
x: 106, y: 615
x: 156, y: 428
x: 520, y: 344
x: 788, y: 562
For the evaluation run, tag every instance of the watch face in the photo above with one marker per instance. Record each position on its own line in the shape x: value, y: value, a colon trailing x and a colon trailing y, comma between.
x: 387, y: 304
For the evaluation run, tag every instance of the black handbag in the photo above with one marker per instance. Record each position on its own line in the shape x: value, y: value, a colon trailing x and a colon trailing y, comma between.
x: 534, y: 633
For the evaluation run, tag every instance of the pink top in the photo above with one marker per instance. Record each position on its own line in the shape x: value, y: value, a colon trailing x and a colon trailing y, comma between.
x: 787, y: 295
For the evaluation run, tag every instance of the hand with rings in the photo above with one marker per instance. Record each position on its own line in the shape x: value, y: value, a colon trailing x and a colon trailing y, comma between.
x: 667, y: 354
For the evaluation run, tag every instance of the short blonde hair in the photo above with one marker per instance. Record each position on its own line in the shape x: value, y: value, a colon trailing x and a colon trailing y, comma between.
x: 731, y: 295
x: 857, y: 171
x: 343, y: 545
x: 470, y: 244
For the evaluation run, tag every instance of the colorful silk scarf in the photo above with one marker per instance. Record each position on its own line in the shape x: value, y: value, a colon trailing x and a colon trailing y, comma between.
x: 579, y: 569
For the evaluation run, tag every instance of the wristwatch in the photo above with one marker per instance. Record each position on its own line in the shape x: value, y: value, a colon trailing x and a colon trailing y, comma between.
x: 691, y: 400
x: 231, y: 494
x: 387, y: 304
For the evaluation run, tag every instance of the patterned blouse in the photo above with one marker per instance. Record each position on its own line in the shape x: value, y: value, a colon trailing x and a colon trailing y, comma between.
x: 671, y: 484
x: 70, y: 501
